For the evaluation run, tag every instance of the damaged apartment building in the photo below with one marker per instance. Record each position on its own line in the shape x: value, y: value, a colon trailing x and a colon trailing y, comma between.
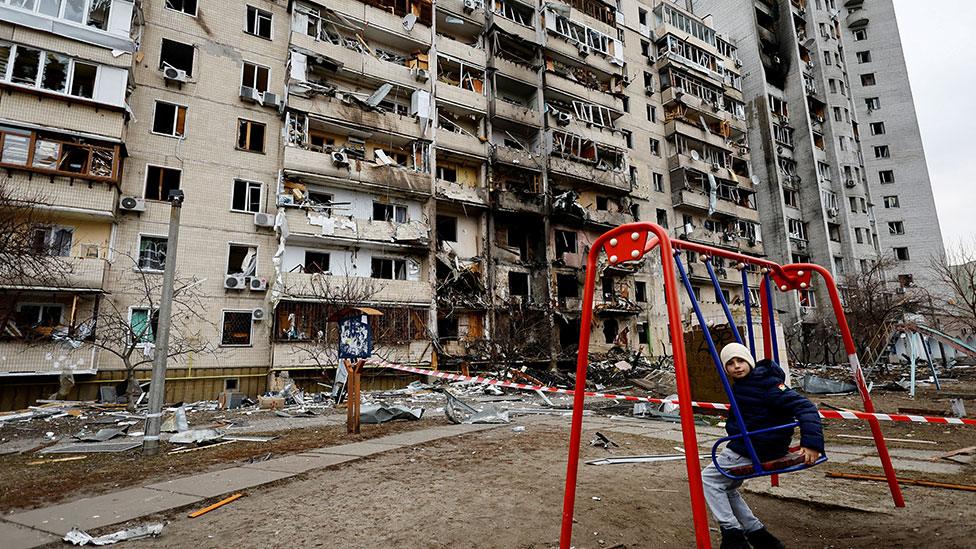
x: 448, y: 165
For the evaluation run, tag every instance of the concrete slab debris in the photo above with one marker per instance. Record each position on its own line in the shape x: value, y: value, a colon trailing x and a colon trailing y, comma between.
x: 76, y: 536
x: 91, y: 448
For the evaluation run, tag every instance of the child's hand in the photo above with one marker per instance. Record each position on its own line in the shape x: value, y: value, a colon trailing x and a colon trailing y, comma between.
x: 809, y: 455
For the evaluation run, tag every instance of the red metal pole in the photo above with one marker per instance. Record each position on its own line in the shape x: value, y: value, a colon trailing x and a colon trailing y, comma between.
x: 862, y: 388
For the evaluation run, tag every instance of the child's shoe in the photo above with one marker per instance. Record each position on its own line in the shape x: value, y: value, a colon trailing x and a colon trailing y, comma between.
x: 733, y: 538
x: 762, y: 539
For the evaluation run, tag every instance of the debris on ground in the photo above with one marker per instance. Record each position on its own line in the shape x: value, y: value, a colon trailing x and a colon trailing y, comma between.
x: 816, y: 385
x: 601, y: 440
x: 217, y: 505
x: 378, y: 413
x: 80, y: 537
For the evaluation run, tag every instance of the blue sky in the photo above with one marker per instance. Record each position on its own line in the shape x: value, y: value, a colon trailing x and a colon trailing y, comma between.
x: 939, y: 45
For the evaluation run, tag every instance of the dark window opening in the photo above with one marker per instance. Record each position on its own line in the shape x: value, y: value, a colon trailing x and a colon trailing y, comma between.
x: 565, y: 242
x: 610, y: 330
x: 447, y: 329
x: 250, y: 135
x: 389, y: 269
x: 316, y: 262
x: 242, y: 259
x: 640, y: 291
x: 567, y: 286
x: 160, y: 181
x: 236, y: 328
x: 177, y: 55
x: 188, y: 7
x: 518, y: 284
x: 609, y: 292
x: 258, y: 22
x: 446, y: 228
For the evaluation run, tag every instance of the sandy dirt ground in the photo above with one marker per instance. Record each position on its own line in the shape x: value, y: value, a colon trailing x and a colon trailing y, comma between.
x: 501, y: 488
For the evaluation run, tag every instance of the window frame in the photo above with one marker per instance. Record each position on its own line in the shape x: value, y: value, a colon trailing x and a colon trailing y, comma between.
x: 247, y: 194
x: 223, y: 322
x: 256, y: 66
x: 196, y: 11
x: 193, y: 61
x: 233, y: 244
x: 257, y: 12
x: 139, y: 266
x: 176, y: 119
x: 250, y: 123
x: 145, y: 343
x: 37, y: 84
x: 145, y: 180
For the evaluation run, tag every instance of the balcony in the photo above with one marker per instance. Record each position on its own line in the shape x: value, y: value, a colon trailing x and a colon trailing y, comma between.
x: 357, y: 63
x: 401, y: 292
x: 462, y: 97
x: 462, y: 143
x: 524, y: 32
x: 319, y: 166
x: 415, y: 234
x: 456, y: 8
x: 380, y: 19
x: 517, y: 113
x: 515, y: 201
x: 605, y: 218
x: 518, y: 157
x: 594, y: 61
x: 78, y: 199
x: 589, y: 95
x: 67, y: 274
x: 597, y: 134
x: 617, y: 180
x: 696, y: 132
x: 698, y: 200
x: 462, y: 51
x: 52, y: 358
x: 475, y: 196
x: 352, y: 115
x: 514, y: 70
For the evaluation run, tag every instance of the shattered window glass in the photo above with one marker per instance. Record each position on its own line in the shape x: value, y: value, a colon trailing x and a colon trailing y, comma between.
x: 46, y: 154
x: 4, y: 59
x: 24, y: 4
x: 74, y: 10
x: 83, y: 80
x: 152, y: 253
x: 98, y: 14
x: 51, y: 8
x: 141, y: 329
x: 102, y: 162
x: 26, y: 62
x: 15, y: 149
x: 55, y: 77
x: 74, y: 158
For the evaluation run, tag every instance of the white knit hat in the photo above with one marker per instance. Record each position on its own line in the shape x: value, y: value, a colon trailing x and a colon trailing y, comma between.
x: 737, y: 350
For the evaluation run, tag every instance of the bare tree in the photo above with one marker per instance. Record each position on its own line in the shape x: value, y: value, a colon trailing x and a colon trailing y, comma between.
x: 33, y: 252
x: 874, y: 305
x: 956, y: 273
x: 124, y: 324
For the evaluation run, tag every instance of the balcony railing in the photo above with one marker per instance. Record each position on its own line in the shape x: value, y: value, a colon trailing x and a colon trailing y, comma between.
x: 31, y: 151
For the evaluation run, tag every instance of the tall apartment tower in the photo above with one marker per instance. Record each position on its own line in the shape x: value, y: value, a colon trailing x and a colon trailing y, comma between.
x: 894, y: 159
x: 815, y: 201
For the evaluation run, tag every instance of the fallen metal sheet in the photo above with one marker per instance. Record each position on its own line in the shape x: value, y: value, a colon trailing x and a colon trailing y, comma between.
x: 378, y: 413
x: 102, y: 435
x: 196, y: 436
x: 91, y: 448
x: 817, y: 385
x: 80, y: 537
x: 641, y: 459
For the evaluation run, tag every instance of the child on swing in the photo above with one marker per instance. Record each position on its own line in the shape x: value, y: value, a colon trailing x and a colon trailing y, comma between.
x: 764, y: 401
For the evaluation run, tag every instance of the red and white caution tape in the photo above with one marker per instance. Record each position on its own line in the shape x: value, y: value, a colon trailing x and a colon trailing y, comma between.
x: 826, y: 414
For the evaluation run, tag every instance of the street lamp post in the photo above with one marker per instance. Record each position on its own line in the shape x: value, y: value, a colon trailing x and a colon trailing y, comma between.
x: 150, y: 442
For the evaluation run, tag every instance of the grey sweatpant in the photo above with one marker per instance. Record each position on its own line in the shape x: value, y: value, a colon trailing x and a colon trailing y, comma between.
x: 722, y: 495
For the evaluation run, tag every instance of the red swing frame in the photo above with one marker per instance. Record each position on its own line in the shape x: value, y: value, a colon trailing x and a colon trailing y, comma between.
x: 632, y: 242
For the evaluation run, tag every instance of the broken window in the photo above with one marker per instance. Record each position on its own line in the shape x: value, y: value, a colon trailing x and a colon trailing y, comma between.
x: 901, y: 253
x: 52, y: 241
x: 152, y: 253
x: 882, y: 151
x: 255, y: 77
x: 177, y: 55
x: 246, y: 196
x: 160, y: 181
x: 169, y: 119
x: 446, y: 228
x: 655, y: 147
x: 188, y: 7
x: 250, y: 135
x: 877, y: 128
x: 242, y: 259
x: 518, y: 284
x: 389, y: 212
x: 514, y: 11
x: 791, y: 198
x: 833, y: 232
x: 447, y: 173
x: 83, y: 79
x: 640, y: 291
x: 597, y: 115
x: 565, y: 242
x: 662, y: 218
x: 26, y: 66
x: 389, y: 268
x: 236, y: 328
x: 55, y: 75
x: 142, y: 326
x: 886, y: 176
x: 896, y: 227
x: 610, y: 330
x: 868, y: 79
x: 258, y: 22
x: 316, y: 262
x: 98, y: 11
x: 872, y: 103
x: 797, y: 228
x: 891, y: 201
x: 567, y: 286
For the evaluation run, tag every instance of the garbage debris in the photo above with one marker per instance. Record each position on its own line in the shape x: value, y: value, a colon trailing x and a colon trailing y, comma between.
x: 600, y: 439
x: 79, y: 537
x: 101, y: 436
x: 458, y: 411
x: 817, y: 385
x: 196, y: 436
x: 378, y: 413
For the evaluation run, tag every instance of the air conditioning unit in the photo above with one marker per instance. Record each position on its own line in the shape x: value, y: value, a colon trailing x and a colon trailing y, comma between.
x: 340, y: 159
x: 420, y: 75
x: 801, y: 245
x: 832, y: 212
x: 250, y: 94
x: 270, y: 100
x: 470, y: 6
x: 716, y: 167
x: 262, y: 219
x: 174, y: 74
x: 234, y: 282
x: 258, y: 284
x: 738, y: 64
x: 132, y: 204
x: 584, y: 49
x: 258, y: 314
x: 850, y: 184
x: 563, y: 118
x: 651, y: 59
x: 649, y: 90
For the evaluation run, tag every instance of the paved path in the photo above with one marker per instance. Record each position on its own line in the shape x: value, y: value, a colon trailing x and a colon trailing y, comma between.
x: 41, y: 526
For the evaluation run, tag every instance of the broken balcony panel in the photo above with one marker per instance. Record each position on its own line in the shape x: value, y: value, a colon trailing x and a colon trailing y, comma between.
x: 516, y: 19
x: 314, y: 224
x: 511, y: 69
x: 305, y: 286
x: 351, y: 116
x: 319, y: 167
x: 592, y: 94
x: 471, y: 13
x: 410, y: 20
x: 469, y: 53
x: 358, y: 63
x: 517, y: 113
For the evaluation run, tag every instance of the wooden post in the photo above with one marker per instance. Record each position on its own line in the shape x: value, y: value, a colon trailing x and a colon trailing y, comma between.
x: 352, y: 394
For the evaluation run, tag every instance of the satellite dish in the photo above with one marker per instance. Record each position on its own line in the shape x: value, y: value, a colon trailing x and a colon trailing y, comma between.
x: 755, y: 180
x: 409, y: 21
x: 695, y: 155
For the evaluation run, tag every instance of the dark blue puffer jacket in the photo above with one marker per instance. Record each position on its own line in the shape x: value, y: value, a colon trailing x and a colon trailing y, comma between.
x: 765, y: 401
